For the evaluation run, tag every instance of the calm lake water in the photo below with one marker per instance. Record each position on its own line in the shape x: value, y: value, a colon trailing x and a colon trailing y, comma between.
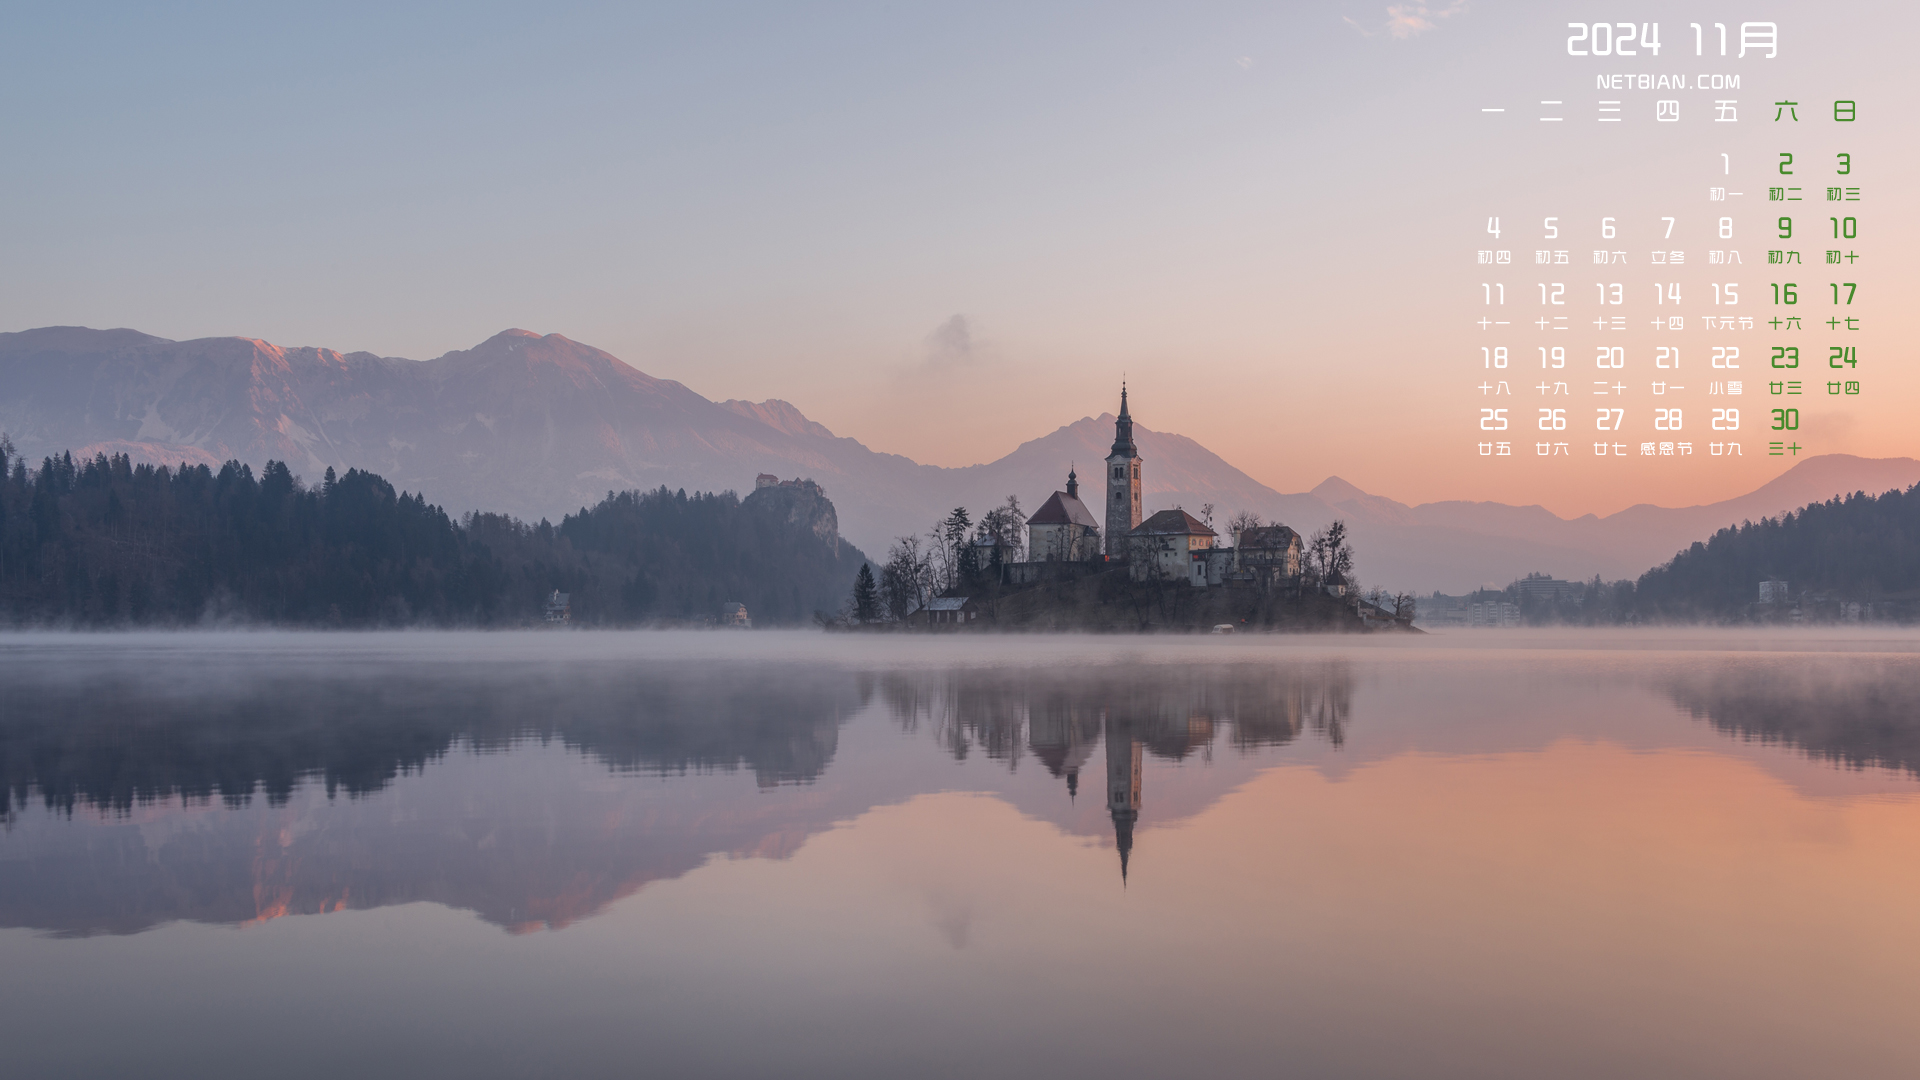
x: 795, y: 855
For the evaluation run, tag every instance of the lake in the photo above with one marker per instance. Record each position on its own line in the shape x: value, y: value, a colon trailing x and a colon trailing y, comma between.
x: 1652, y: 853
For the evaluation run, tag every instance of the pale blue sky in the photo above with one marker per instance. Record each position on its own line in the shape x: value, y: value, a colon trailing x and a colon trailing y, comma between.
x: 786, y: 200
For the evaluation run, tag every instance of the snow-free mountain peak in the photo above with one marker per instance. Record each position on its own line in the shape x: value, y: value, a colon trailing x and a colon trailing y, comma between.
x: 779, y: 415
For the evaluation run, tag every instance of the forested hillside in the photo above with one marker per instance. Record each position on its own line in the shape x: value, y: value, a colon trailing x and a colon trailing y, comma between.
x: 1862, y: 547
x: 105, y: 542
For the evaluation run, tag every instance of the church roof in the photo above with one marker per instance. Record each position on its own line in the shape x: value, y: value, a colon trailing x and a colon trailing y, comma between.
x: 1175, y: 522
x: 1063, y: 509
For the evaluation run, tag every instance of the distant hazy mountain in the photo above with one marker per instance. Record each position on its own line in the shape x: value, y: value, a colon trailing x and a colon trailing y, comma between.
x: 1454, y: 545
x: 541, y: 426
x: 535, y: 426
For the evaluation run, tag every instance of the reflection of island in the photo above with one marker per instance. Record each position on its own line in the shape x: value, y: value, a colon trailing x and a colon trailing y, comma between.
x: 131, y: 801
x: 1172, y: 713
x: 1869, y: 720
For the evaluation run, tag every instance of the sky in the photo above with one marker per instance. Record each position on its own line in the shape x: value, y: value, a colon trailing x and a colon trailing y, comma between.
x: 946, y: 230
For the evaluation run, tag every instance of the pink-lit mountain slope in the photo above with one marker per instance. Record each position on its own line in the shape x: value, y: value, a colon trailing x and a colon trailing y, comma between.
x: 540, y: 425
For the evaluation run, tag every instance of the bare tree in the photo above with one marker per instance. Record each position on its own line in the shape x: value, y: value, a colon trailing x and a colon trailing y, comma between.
x: 1004, y: 523
x: 905, y: 581
x: 946, y: 545
x: 1329, y: 553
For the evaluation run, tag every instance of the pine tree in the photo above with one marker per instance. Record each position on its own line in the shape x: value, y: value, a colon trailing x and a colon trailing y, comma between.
x: 866, y: 595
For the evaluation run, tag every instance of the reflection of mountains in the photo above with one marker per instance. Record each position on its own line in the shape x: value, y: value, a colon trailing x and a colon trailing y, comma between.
x: 118, y: 744
x: 1872, y: 719
x: 280, y: 793
x: 524, y: 838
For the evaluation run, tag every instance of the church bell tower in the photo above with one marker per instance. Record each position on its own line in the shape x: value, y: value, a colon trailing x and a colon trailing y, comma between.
x: 1123, y: 483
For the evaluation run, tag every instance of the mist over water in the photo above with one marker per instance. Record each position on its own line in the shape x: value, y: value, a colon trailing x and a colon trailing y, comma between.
x: 731, y: 854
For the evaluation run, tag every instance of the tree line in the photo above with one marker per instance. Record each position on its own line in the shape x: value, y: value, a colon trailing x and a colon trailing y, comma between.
x: 1857, y: 548
x: 103, y: 541
x: 920, y: 568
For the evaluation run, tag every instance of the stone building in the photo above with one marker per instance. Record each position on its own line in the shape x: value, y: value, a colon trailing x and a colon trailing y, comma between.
x: 1265, y: 557
x: 1063, y: 529
x: 1172, y: 545
x: 768, y: 480
x: 1274, y: 547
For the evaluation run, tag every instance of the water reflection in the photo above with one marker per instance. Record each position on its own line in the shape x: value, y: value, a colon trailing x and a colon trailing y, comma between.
x: 517, y: 790
x: 1176, y: 711
x: 1523, y: 864
x: 275, y: 792
x: 1172, y: 713
x: 1855, y: 715
x: 268, y: 793
x: 119, y: 743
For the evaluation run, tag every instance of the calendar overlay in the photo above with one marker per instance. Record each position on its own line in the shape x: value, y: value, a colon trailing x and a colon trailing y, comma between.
x: 1701, y: 289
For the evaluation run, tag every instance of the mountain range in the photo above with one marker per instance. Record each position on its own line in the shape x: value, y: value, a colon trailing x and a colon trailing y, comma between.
x: 539, y: 426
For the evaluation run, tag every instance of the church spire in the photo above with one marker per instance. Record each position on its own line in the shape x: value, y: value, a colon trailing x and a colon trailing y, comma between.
x: 1123, y: 428
x: 1073, y: 484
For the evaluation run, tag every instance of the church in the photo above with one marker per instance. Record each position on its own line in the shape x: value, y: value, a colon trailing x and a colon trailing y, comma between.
x: 1063, y: 529
x: 1065, y: 538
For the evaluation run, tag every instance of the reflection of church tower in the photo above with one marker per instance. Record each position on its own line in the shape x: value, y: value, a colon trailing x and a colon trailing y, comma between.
x: 1123, y: 789
x: 1063, y: 739
x: 1123, y: 483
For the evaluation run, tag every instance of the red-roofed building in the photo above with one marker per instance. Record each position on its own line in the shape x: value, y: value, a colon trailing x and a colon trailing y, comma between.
x: 1063, y: 529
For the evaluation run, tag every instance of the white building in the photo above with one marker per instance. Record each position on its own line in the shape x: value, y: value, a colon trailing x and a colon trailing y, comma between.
x: 1063, y: 529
